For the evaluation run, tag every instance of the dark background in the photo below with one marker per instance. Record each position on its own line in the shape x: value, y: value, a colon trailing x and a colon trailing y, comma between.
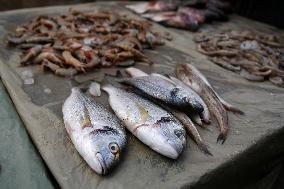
x: 271, y: 11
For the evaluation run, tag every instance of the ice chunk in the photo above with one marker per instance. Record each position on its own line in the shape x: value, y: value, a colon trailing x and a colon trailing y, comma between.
x: 95, y: 89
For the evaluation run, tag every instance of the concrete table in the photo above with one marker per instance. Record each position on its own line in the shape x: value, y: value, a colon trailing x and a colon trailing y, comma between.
x: 253, y: 139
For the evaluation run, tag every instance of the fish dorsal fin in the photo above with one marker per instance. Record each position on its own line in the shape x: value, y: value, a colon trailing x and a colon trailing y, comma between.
x: 163, y: 77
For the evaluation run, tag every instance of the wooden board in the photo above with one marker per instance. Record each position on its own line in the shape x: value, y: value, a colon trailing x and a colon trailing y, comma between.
x: 140, y: 167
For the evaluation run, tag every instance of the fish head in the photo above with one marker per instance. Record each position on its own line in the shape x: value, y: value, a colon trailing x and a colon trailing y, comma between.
x: 165, y: 137
x: 186, y: 99
x: 173, y: 132
x: 105, y: 149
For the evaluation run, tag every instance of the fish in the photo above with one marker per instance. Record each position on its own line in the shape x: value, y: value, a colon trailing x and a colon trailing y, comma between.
x: 151, y: 124
x: 192, y: 77
x: 152, y: 7
x: 97, y: 134
x: 166, y: 91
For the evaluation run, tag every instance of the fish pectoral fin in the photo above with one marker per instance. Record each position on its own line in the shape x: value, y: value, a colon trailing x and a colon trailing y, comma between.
x: 143, y: 112
x: 86, y: 123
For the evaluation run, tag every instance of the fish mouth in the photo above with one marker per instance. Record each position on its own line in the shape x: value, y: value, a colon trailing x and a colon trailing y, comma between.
x: 103, y: 168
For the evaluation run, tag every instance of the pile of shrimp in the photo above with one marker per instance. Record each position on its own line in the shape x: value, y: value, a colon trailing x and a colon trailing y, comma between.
x: 82, y: 41
x: 255, y: 56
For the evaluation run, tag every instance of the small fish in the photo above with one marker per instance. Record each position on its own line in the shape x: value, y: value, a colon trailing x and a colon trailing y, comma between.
x: 166, y: 91
x: 96, y: 133
x: 192, y: 77
x: 151, y: 124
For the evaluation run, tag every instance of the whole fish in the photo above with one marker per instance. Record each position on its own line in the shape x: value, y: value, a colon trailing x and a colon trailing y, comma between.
x: 205, y: 115
x: 151, y: 124
x: 96, y: 133
x: 192, y: 77
x: 167, y: 92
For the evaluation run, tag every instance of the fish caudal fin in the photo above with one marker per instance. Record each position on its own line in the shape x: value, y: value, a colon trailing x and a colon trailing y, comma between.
x: 222, y: 137
x: 204, y: 148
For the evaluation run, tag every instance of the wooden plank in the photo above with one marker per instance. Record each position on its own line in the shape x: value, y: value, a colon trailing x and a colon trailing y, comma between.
x: 140, y: 167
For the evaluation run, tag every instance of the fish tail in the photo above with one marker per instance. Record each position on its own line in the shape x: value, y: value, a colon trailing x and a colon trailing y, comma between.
x: 204, y: 148
x: 222, y: 137
x: 234, y: 110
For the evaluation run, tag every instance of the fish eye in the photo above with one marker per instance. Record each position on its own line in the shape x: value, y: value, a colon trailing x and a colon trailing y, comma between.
x: 178, y: 133
x: 114, y: 148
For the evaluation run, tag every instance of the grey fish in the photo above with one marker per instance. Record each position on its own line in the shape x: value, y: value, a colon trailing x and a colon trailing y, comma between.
x: 166, y: 91
x: 96, y: 133
x: 192, y: 77
x: 151, y: 124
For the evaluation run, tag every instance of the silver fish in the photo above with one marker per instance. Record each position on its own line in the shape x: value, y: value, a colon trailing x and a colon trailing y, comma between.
x: 166, y: 91
x: 96, y: 133
x: 151, y: 124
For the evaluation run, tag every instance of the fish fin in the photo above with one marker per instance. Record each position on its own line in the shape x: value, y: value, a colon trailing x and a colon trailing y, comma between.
x: 221, y: 138
x: 204, y: 148
x: 118, y: 78
x: 135, y: 72
x: 233, y: 109
x: 162, y: 76
x: 117, y: 74
x: 81, y: 86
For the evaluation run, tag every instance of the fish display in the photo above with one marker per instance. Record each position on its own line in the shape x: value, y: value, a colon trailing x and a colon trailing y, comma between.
x: 256, y: 56
x: 153, y: 107
x: 78, y: 42
x: 151, y: 124
x: 97, y: 134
